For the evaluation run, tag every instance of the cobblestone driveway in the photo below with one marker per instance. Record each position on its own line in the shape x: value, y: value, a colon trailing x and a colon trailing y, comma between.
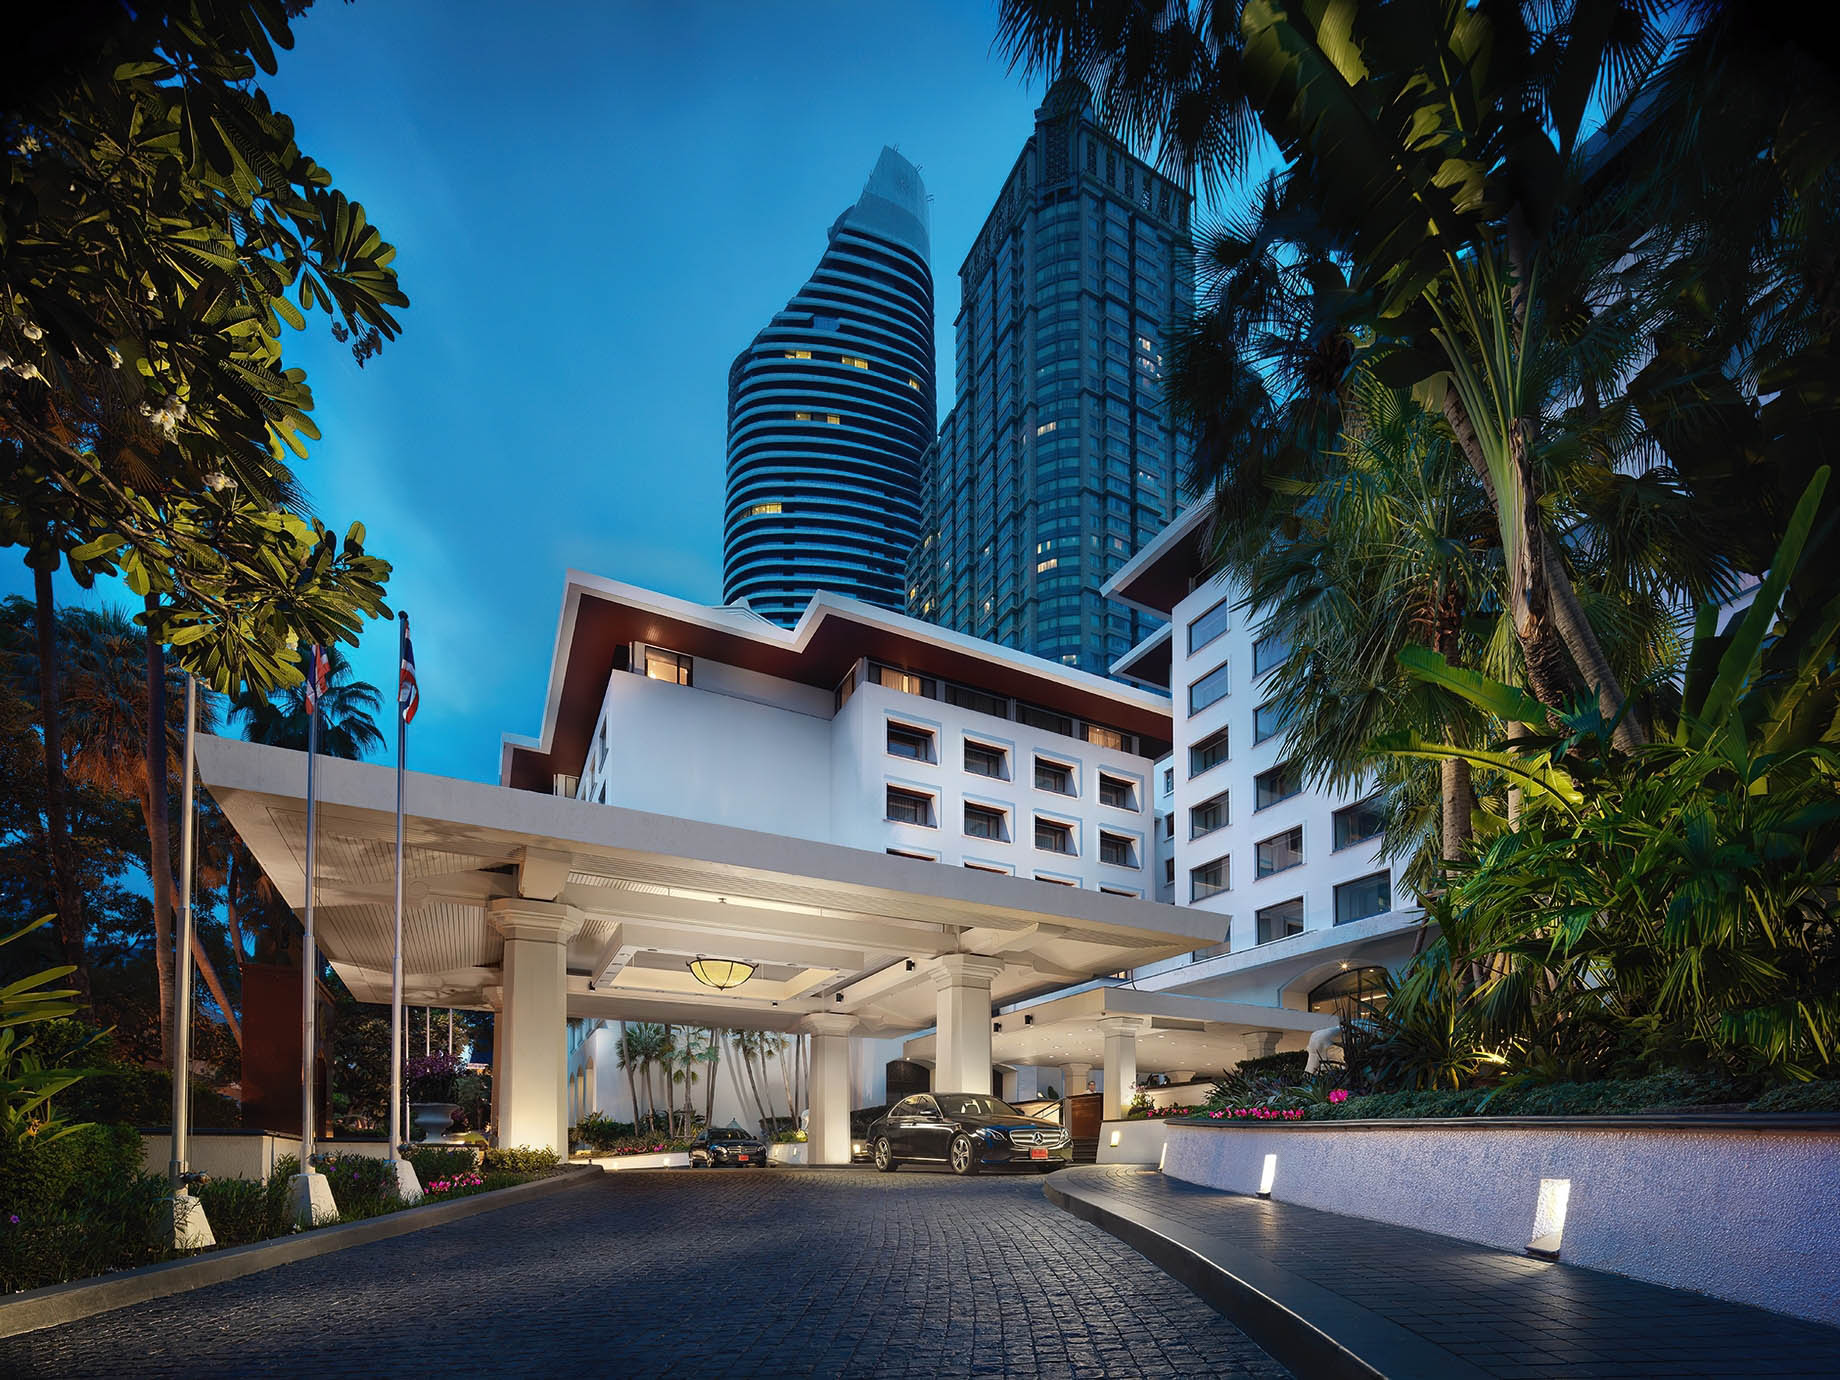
x: 719, y: 1273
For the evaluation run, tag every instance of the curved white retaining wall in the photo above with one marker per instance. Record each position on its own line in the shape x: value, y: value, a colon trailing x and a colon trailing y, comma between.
x: 668, y: 1159
x: 1748, y: 1215
x: 1139, y: 1142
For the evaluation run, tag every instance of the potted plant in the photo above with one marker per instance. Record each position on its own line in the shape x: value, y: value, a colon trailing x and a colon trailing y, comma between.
x: 433, y: 1082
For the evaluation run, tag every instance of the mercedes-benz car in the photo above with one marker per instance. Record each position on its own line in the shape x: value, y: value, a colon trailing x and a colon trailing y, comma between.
x: 966, y: 1132
x: 726, y: 1145
x: 860, y: 1121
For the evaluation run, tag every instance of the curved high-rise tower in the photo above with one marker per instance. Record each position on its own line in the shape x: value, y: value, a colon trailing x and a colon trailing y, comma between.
x: 829, y: 409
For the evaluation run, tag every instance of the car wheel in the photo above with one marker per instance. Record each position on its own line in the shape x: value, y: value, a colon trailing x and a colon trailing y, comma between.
x: 964, y: 1155
x: 884, y: 1156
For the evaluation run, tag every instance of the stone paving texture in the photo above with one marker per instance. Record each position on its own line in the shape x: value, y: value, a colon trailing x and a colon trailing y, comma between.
x: 1511, y: 1316
x: 694, y: 1273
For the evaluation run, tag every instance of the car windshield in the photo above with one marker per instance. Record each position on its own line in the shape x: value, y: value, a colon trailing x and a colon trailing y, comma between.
x: 972, y: 1104
x: 729, y: 1133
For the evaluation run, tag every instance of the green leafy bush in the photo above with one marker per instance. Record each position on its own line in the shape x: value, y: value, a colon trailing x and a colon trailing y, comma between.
x: 518, y: 1159
x: 362, y: 1185
x: 143, y: 1097
x: 1662, y: 1092
x: 243, y: 1211
x: 790, y: 1137
x: 601, y: 1133
x: 83, y: 1206
x: 441, y: 1161
x: 1823, y: 1096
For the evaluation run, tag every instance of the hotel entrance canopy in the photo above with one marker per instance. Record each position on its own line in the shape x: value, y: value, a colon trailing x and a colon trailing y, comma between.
x: 634, y: 897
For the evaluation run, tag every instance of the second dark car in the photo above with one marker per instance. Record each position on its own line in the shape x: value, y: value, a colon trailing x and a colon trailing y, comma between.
x: 726, y: 1145
x: 966, y: 1132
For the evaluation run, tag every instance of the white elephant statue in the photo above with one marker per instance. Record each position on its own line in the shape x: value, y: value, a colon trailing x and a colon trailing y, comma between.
x: 1321, y: 1042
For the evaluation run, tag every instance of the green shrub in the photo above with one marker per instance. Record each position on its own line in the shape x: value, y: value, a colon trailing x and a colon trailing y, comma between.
x: 1660, y: 1092
x: 441, y: 1161
x: 142, y: 1097
x: 601, y: 1133
x: 84, y: 1206
x: 362, y: 1185
x: 1288, y: 1066
x: 518, y: 1159
x: 58, y: 1174
x: 1823, y: 1096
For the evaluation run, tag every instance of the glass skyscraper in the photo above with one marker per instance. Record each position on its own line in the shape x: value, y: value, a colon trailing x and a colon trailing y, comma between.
x: 1057, y: 460
x: 829, y: 410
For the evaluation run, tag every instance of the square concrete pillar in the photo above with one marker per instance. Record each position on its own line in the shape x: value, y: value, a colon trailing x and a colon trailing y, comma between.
x: 1120, y: 1061
x: 962, y: 986
x: 530, y: 1051
x: 1260, y: 1043
x: 1073, y: 1079
x: 828, y: 1133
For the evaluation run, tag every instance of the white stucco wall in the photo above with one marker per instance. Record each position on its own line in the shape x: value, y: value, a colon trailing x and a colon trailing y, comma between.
x: 1139, y: 1142
x: 1752, y: 1216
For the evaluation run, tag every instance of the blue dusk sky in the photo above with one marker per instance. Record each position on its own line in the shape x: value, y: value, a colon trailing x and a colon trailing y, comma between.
x: 595, y: 207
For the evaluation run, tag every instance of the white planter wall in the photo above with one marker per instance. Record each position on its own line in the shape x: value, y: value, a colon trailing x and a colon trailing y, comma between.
x: 1139, y: 1142
x: 244, y: 1155
x: 670, y: 1159
x: 1748, y: 1215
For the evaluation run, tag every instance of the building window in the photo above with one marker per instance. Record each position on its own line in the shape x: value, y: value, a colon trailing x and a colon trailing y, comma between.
x: 1210, y: 879
x: 798, y: 354
x: 1052, y: 836
x: 1121, y: 891
x: 1208, y: 816
x: 1169, y: 826
x: 855, y: 361
x: 1276, y: 922
x: 1117, y: 850
x: 1105, y: 737
x: 663, y: 665
x: 982, y: 822
x: 1363, y: 897
x: 1209, y: 625
x: 1358, y: 822
x: 913, y: 383
x: 1053, y: 776
x: 801, y: 416
x: 983, y: 760
x: 832, y: 419
x: 1268, y: 652
x: 1211, y: 751
x: 915, y: 744
x: 1210, y: 689
x: 1353, y: 993
x: 1169, y: 780
x: 966, y: 698
x: 762, y: 509
x: 1116, y: 792
x: 903, y: 681
x: 1058, y: 881
x: 910, y: 807
x: 1268, y: 720
x: 917, y: 857
x: 1281, y: 852
x: 1044, y: 719
x: 1280, y: 783
x: 1169, y: 872
x: 990, y: 867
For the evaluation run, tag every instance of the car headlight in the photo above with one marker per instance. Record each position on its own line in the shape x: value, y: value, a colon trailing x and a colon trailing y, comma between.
x: 992, y: 1134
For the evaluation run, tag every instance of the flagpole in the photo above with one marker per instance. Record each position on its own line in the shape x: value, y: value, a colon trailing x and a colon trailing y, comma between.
x: 396, y: 951
x: 309, y: 956
x: 182, y: 976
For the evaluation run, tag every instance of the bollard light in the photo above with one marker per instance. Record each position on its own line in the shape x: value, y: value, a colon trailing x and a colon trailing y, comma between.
x: 1115, y: 1135
x: 1268, y: 1176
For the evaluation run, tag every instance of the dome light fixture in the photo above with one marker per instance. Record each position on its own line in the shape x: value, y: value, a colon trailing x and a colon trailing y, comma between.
x: 721, y: 973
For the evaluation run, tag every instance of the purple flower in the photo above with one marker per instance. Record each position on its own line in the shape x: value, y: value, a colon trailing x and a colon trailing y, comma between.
x: 14, y: 1219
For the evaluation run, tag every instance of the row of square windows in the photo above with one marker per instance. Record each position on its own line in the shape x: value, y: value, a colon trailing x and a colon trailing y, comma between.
x: 1005, y: 871
x: 991, y: 760
x: 992, y: 824
x: 1355, y: 900
x: 1353, y: 824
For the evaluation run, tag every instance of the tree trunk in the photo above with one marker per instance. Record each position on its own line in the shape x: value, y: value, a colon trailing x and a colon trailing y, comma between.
x: 747, y: 1063
x: 208, y: 971
x: 1457, y: 803
x: 159, y: 840
x: 785, y: 1074
x: 709, y: 1088
x: 231, y: 916
x: 71, y: 926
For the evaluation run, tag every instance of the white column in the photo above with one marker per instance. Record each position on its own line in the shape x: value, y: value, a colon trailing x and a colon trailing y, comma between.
x: 1120, y: 1060
x: 962, y: 985
x: 1073, y: 1079
x: 1260, y: 1043
x: 828, y: 1134
x: 531, y: 1045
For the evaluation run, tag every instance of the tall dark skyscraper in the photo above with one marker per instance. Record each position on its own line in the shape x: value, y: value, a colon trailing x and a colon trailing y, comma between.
x: 829, y: 410
x: 1057, y: 460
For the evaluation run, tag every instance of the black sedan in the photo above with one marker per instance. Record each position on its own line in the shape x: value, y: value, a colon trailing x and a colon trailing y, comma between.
x: 726, y: 1145
x: 967, y: 1131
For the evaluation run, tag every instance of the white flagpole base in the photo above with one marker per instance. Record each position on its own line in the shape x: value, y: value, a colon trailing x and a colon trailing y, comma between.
x: 408, y: 1185
x: 191, y: 1230
x: 310, y: 1200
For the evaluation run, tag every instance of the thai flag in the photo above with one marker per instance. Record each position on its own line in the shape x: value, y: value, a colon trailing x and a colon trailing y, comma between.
x: 408, y: 693
x: 318, y: 671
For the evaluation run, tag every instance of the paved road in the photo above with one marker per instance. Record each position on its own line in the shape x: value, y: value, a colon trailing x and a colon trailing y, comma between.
x: 714, y: 1273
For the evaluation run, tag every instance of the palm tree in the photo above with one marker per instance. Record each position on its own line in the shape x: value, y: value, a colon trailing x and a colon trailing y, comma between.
x: 710, y: 1053
x: 109, y: 707
x: 1459, y: 240
x: 628, y: 1051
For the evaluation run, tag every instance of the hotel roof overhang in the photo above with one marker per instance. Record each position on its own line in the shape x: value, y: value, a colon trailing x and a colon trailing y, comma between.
x: 599, y: 616
x: 1160, y: 575
x: 1149, y: 662
x: 834, y: 929
x: 1177, y: 1032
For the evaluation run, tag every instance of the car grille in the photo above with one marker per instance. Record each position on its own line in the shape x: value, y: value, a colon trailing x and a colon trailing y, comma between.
x: 1050, y: 1136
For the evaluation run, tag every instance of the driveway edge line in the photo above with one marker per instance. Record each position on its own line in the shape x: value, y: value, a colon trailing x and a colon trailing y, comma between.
x: 1289, y: 1337
x: 56, y: 1304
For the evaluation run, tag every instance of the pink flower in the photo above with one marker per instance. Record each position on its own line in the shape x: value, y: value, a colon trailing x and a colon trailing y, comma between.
x: 1339, y: 1095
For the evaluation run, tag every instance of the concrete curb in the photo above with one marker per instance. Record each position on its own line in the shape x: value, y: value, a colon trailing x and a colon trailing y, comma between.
x: 1304, y: 1327
x: 56, y: 1304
